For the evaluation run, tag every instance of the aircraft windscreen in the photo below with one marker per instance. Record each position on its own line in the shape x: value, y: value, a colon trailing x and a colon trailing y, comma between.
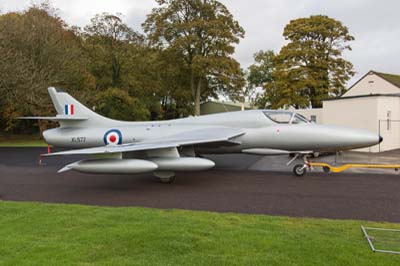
x: 299, y: 119
x: 286, y: 117
x: 279, y: 117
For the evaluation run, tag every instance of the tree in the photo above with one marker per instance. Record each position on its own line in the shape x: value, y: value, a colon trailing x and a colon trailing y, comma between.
x: 38, y: 50
x: 110, y: 44
x: 260, y: 74
x: 310, y: 67
x: 203, y: 33
x: 176, y: 100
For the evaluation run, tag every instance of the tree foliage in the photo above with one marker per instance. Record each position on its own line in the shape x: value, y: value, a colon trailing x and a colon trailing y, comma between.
x: 260, y: 75
x: 260, y: 72
x: 118, y: 104
x: 110, y: 43
x: 38, y: 50
x: 184, y: 57
x: 120, y: 58
x: 203, y: 33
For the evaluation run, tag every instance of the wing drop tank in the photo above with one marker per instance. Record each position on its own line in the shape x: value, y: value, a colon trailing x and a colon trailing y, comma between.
x: 111, y: 166
x: 136, y: 166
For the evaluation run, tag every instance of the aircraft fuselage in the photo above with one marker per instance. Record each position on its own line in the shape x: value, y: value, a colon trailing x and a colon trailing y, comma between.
x: 259, y: 133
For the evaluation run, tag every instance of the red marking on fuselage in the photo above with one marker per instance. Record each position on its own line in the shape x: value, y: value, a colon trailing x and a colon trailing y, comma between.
x: 112, y: 138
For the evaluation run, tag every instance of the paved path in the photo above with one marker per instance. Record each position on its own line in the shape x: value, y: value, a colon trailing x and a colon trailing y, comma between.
x: 228, y: 188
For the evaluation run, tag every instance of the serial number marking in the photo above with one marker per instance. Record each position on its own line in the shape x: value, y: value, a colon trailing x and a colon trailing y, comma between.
x: 78, y: 140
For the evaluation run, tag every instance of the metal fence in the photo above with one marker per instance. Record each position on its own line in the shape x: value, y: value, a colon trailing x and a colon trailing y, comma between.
x: 382, y: 239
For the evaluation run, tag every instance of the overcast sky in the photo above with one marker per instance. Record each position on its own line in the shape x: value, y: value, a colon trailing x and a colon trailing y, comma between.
x: 374, y: 24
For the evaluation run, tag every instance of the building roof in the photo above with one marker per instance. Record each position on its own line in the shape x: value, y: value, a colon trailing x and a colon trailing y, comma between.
x: 391, y: 78
x: 394, y: 79
x: 364, y: 96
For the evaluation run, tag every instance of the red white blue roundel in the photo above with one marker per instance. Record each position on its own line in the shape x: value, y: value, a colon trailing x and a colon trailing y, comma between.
x: 113, y: 137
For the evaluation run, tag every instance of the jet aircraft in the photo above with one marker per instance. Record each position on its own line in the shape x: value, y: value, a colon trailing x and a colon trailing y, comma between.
x: 166, y: 147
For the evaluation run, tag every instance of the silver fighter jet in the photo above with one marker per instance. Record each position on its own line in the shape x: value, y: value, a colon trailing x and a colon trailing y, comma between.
x: 165, y: 147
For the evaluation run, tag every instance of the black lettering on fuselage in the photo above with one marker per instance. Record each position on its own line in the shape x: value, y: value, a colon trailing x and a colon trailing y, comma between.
x: 78, y: 140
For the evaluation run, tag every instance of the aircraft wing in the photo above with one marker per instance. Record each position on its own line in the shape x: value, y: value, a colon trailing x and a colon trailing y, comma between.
x: 193, y: 137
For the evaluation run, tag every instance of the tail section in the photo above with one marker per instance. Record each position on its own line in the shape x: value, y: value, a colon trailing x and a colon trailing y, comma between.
x: 71, y: 113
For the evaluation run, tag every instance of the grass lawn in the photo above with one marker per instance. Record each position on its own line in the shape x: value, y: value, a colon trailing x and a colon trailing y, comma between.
x: 56, y: 234
x: 21, y: 141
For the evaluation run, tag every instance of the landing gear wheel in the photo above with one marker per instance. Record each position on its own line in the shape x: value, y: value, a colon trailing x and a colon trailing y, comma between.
x: 165, y: 177
x: 299, y: 170
x: 168, y: 180
x: 326, y: 169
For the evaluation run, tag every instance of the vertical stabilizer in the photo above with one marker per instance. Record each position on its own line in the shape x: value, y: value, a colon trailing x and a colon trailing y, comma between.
x: 72, y: 112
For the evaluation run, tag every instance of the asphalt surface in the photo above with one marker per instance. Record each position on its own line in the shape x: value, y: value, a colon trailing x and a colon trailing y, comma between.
x: 230, y: 187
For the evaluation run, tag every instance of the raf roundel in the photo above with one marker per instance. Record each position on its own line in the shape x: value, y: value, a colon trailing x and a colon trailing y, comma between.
x: 113, y: 137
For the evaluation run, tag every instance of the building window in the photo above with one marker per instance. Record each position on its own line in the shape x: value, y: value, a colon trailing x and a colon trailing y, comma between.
x: 313, y: 118
x: 389, y: 120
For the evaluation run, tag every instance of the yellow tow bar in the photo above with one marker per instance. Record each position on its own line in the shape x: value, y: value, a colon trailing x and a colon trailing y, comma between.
x: 300, y: 170
x: 347, y: 166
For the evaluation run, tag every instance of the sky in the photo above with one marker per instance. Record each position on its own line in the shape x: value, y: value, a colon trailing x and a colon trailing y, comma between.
x: 374, y: 24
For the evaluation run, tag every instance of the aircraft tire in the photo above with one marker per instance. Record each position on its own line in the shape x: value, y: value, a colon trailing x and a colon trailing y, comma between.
x: 299, y: 170
x: 165, y: 177
x: 168, y: 180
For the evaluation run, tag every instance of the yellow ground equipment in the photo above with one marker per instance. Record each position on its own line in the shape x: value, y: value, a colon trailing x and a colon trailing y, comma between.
x: 301, y: 169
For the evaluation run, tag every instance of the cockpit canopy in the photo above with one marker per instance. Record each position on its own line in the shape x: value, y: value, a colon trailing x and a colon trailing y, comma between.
x: 285, y: 117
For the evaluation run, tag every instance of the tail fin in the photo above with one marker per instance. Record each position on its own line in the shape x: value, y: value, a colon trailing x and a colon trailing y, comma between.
x: 70, y: 112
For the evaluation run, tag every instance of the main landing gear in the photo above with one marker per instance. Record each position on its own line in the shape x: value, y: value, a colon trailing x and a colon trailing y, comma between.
x: 165, y: 177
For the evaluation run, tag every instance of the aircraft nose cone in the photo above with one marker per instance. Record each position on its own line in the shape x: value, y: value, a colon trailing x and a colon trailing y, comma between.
x: 380, y: 139
x: 348, y: 138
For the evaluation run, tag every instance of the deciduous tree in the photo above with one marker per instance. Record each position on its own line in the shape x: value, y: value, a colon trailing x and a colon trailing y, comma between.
x: 311, y: 67
x: 37, y: 50
x: 203, y: 33
x: 260, y: 75
x: 110, y: 44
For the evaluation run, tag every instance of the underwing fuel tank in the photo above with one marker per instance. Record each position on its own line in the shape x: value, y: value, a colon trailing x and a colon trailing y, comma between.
x: 111, y: 166
x: 182, y: 164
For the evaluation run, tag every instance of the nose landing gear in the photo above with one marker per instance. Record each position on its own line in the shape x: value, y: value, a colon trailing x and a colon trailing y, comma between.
x: 300, y: 169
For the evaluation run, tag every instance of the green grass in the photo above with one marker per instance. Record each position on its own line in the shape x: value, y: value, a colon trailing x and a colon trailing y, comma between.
x: 21, y: 141
x: 55, y: 234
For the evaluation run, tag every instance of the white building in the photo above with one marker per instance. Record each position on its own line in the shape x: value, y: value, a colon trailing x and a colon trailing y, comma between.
x: 372, y: 103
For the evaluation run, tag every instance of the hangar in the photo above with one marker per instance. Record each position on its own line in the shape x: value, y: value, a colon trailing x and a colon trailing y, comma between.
x: 373, y: 103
